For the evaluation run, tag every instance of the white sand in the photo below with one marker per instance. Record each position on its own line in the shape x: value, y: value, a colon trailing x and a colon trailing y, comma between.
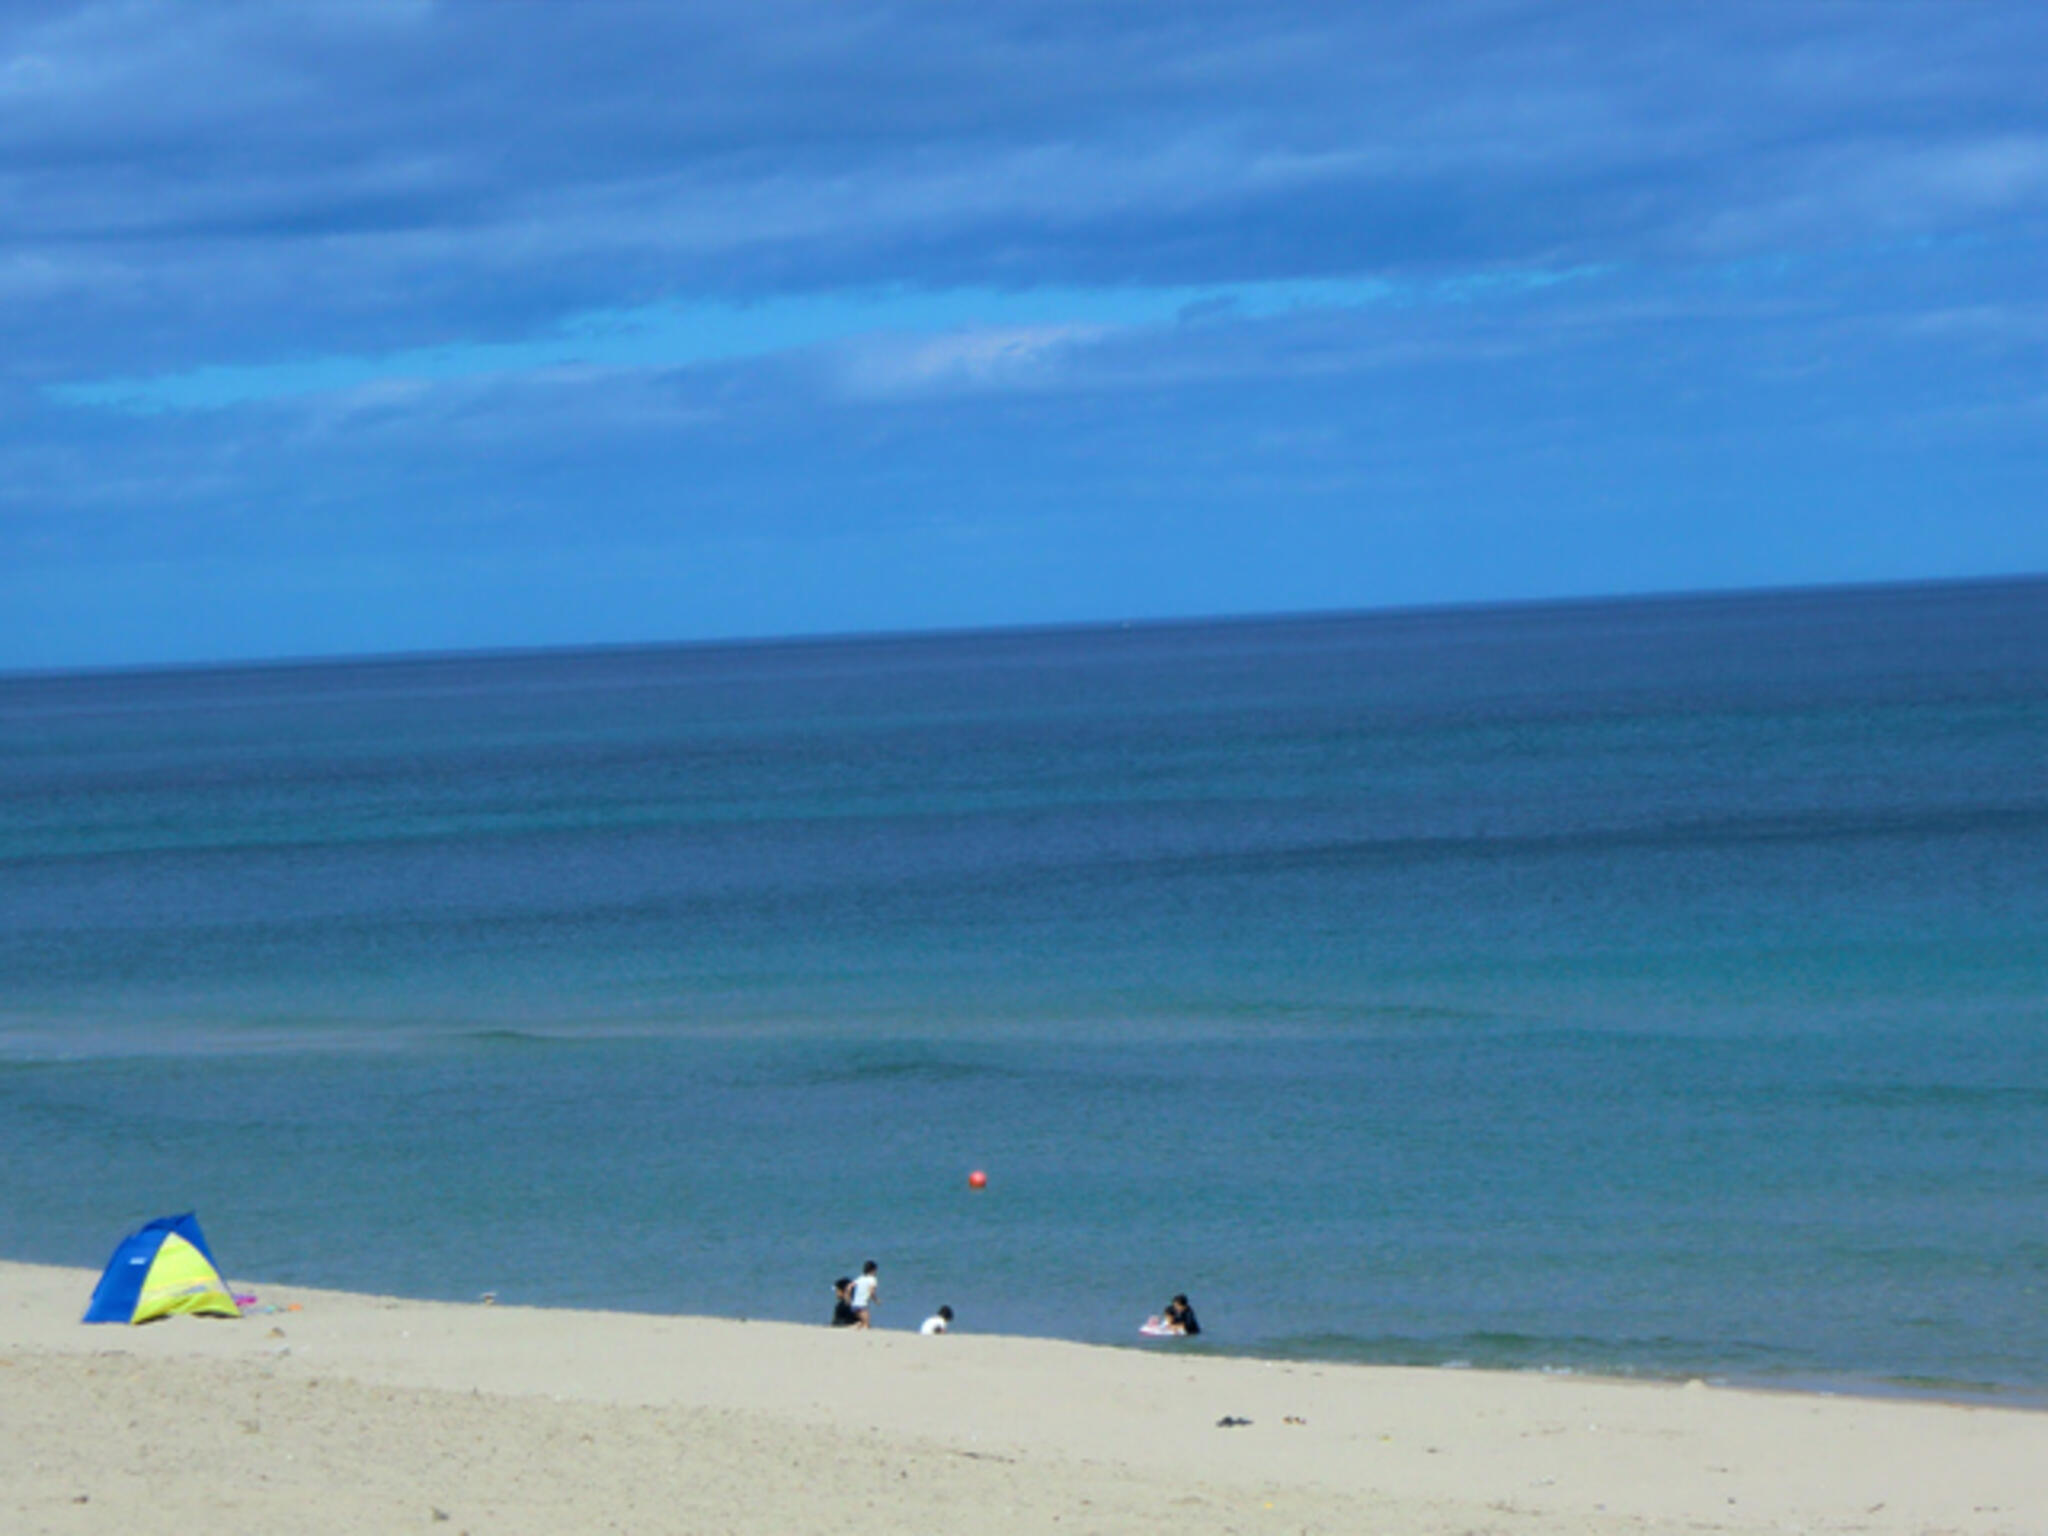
x: 363, y: 1414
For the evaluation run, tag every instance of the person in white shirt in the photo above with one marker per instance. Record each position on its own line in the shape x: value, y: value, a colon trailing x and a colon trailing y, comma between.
x: 865, y: 1290
x: 938, y: 1322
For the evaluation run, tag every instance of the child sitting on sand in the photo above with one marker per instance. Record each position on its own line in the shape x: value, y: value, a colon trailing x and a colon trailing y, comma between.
x: 843, y: 1315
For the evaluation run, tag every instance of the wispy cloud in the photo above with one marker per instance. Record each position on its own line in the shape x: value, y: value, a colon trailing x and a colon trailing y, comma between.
x: 238, y: 185
x: 678, y: 335
x: 985, y: 333
x: 424, y: 281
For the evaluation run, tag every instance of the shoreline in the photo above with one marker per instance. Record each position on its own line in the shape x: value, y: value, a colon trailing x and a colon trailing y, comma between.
x: 1848, y: 1386
x: 361, y: 1413
x: 2017, y: 1398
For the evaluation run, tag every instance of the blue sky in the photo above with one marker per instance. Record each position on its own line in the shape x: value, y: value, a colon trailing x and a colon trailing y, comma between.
x: 354, y: 327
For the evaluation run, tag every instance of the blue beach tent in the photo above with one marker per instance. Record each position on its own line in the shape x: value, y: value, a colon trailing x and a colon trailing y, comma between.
x: 161, y: 1268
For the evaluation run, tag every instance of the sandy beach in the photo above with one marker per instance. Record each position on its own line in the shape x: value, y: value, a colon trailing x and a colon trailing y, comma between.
x: 349, y: 1413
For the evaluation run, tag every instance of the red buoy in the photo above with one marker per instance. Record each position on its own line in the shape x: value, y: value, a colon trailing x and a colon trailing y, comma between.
x: 977, y: 1180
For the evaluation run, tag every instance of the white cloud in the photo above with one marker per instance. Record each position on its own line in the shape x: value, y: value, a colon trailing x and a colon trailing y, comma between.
x: 1004, y: 357
x: 1880, y: 188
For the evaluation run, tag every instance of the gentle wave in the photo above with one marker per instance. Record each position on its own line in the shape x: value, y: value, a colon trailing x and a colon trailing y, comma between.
x: 1659, y: 1358
x: 1722, y: 1363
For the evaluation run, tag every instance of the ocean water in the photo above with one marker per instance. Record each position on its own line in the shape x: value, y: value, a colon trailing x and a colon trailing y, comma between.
x: 1653, y: 987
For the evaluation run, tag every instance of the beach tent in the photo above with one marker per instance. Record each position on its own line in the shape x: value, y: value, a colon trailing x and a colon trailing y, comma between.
x: 161, y: 1268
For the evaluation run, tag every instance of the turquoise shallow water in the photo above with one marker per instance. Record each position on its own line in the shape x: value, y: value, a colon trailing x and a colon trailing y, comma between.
x: 1655, y: 987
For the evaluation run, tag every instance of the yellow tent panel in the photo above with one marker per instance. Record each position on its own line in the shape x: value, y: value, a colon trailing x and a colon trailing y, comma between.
x: 180, y: 1281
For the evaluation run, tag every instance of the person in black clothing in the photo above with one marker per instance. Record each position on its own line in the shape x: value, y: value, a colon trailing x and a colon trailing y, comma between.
x: 1180, y: 1317
x: 843, y: 1315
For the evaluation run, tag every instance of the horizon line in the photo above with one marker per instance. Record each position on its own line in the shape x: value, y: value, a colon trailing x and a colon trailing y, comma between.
x: 821, y: 639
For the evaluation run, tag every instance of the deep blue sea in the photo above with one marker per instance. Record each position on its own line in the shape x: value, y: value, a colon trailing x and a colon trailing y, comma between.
x: 1653, y: 987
